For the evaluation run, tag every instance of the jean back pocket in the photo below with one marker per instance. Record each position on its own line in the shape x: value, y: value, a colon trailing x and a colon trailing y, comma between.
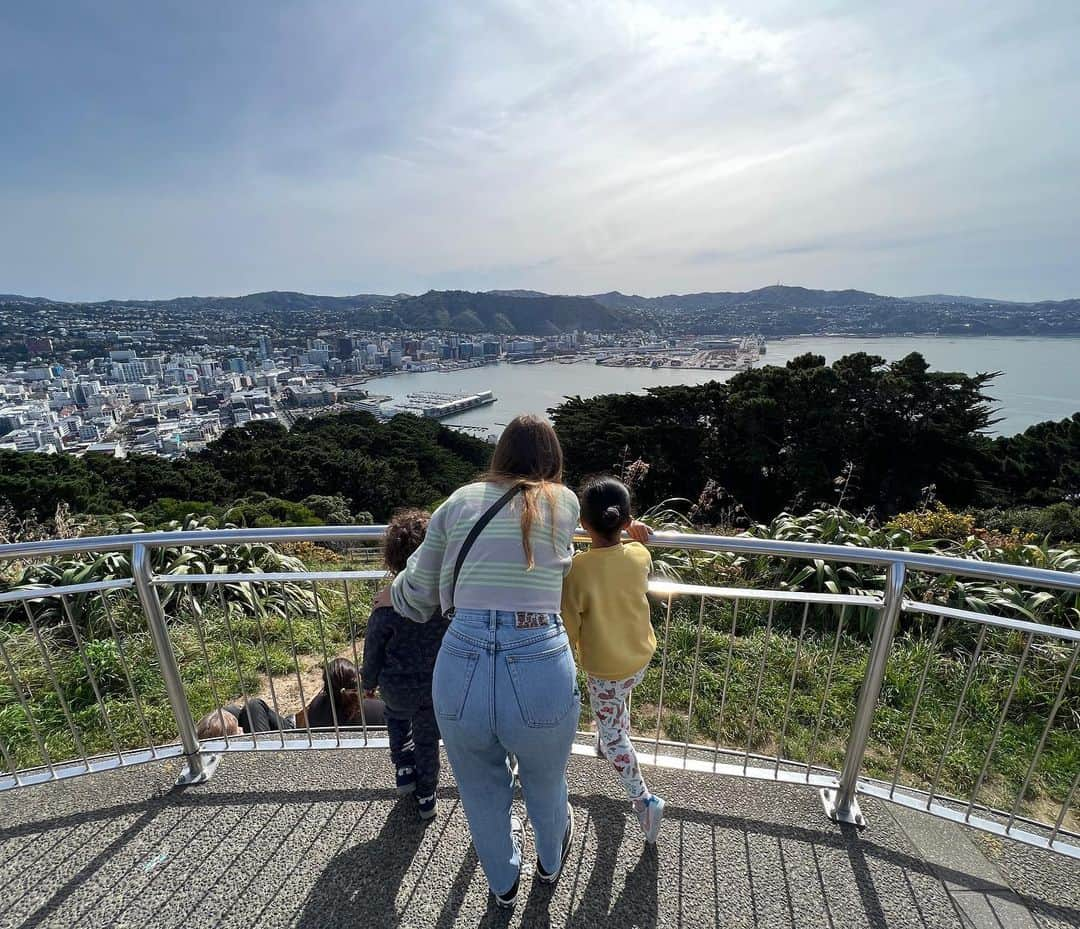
x: 454, y: 670
x: 545, y: 685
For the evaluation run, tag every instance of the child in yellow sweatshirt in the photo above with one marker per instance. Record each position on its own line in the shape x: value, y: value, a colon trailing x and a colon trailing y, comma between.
x: 606, y: 614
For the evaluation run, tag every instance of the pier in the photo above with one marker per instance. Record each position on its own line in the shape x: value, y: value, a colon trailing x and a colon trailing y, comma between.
x: 440, y: 406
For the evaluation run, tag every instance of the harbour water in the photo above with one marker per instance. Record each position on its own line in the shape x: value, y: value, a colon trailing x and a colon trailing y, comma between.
x: 1040, y: 377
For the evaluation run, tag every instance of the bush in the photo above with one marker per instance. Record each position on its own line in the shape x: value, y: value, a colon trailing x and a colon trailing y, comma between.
x: 936, y: 522
x: 1059, y: 522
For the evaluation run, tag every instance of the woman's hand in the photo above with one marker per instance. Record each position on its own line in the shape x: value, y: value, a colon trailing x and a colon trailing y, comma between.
x: 382, y: 598
x: 638, y: 531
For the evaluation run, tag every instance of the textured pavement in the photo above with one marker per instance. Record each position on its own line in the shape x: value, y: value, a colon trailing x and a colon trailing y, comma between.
x: 318, y: 840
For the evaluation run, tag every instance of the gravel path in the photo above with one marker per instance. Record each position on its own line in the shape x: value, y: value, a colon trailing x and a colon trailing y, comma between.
x: 318, y: 840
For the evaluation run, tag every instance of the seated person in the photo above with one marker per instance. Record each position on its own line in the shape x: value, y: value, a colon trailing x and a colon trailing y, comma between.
x: 342, y: 685
x: 253, y: 715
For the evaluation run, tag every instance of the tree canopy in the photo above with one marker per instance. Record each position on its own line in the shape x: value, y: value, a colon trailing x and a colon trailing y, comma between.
x: 787, y: 438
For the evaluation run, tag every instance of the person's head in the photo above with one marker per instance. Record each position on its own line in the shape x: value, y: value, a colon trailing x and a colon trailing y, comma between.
x: 404, y: 534
x: 217, y: 724
x: 528, y: 450
x: 341, y: 685
x: 528, y: 453
x: 605, y: 507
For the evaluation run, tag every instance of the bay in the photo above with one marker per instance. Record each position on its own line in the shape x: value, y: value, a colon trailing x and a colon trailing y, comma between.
x: 1040, y: 377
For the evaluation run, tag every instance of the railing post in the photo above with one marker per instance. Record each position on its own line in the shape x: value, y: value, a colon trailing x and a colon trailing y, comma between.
x: 199, y: 768
x: 840, y: 802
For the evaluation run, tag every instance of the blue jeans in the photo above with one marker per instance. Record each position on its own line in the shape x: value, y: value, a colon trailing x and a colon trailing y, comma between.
x: 507, y: 685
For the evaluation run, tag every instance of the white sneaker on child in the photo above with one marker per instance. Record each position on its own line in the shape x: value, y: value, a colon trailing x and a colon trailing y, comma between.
x: 649, y: 816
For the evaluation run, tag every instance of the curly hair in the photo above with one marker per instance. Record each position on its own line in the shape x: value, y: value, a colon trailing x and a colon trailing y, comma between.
x: 404, y: 534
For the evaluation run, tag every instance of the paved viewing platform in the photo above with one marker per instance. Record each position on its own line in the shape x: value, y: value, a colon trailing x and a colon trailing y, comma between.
x: 319, y: 840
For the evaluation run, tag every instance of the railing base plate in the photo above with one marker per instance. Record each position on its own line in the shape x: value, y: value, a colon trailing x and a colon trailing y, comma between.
x: 852, y: 814
x: 209, y: 766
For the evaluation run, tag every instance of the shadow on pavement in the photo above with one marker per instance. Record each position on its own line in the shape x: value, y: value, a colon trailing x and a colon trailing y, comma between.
x: 359, y: 886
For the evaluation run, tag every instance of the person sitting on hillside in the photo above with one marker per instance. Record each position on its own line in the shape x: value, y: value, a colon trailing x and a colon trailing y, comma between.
x: 340, y: 702
x: 218, y: 724
x: 399, y: 659
x: 253, y: 716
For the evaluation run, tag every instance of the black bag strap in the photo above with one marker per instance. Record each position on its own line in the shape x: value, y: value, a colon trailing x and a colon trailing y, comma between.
x: 478, y: 527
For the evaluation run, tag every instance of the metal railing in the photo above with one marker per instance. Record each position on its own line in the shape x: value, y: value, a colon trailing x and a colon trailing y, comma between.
x: 86, y: 738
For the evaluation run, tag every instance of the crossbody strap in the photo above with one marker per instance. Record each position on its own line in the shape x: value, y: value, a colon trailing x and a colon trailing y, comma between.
x: 474, y: 532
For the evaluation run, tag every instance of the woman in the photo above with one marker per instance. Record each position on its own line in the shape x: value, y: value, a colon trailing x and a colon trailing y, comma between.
x: 340, y: 699
x: 505, y: 681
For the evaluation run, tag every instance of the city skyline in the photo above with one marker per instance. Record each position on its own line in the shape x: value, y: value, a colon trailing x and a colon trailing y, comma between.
x: 324, y: 148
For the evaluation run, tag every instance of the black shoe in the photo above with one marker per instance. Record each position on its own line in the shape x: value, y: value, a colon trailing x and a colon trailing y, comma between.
x: 507, y: 900
x: 426, y: 807
x: 567, y: 841
x: 405, y: 780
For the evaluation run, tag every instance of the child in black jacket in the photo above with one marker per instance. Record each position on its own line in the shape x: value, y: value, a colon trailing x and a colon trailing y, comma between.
x: 399, y: 659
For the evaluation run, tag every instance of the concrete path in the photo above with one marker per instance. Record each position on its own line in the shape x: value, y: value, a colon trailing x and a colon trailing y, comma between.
x: 318, y: 840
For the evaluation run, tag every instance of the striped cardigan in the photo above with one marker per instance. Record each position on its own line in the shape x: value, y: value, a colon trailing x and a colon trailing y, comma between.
x: 494, y: 575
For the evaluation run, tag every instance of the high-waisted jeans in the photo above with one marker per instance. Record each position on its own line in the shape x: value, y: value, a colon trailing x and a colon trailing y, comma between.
x: 506, y: 683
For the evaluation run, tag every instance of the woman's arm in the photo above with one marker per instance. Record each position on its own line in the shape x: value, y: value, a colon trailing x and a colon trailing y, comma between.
x: 415, y: 591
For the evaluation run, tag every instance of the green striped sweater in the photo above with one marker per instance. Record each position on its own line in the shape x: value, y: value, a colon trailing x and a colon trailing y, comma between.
x: 494, y: 575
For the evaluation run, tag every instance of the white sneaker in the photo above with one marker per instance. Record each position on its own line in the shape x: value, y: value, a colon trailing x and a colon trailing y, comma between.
x: 650, y: 816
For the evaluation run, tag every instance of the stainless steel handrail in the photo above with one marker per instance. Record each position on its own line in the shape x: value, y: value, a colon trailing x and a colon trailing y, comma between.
x: 746, y: 545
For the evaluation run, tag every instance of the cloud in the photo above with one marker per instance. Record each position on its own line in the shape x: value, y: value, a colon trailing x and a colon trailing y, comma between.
x: 577, y: 147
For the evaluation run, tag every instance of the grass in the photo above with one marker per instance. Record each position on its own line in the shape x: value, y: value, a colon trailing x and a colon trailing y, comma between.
x: 821, y: 708
x: 216, y: 668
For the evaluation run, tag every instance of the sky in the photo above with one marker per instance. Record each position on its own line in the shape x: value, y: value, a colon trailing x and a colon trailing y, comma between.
x: 215, y: 148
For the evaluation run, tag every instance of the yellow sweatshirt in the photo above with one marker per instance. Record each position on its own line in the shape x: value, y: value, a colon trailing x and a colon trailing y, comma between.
x: 606, y: 612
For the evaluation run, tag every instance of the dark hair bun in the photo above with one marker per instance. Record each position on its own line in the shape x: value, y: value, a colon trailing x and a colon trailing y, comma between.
x: 605, y: 505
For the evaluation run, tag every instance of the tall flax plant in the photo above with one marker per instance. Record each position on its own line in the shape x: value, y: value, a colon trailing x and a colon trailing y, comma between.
x: 834, y: 526
x: 88, y: 609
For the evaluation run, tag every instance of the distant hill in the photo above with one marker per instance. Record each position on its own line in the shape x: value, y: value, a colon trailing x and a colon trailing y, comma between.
x: 952, y: 299
x: 518, y: 293
x: 19, y: 298
x: 778, y: 310
x: 777, y: 296
x: 537, y: 314
x: 272, y: 301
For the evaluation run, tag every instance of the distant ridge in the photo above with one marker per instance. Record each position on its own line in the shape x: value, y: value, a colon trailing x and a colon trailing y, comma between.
x: 776, y: 310
x: 954, y: 300
x: 19, y: 298
x: 777, y: 295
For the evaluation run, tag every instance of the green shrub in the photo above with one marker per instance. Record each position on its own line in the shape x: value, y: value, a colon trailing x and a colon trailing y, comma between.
x: 937, y: 522
x: 1059, y: 522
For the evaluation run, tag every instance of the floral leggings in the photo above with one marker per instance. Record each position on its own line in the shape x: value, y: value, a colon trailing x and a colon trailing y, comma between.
x: 608, y: 700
